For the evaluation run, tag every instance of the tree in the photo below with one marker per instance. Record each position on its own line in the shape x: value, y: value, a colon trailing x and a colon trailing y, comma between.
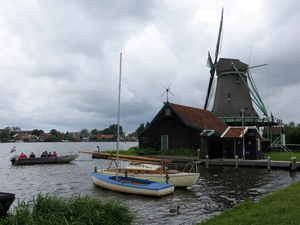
x: 292, y: 133
x: 3, y: 134
x: 37, y: 132
x: 107, y: 131
x: 140, y: 128
x: 54, y: 132
x: 84, y: 131
x: 12, y: 134
x: 95, y: 131
x: 114, y: 129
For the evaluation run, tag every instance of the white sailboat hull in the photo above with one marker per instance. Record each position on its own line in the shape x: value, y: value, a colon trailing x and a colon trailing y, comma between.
x: 151, y: 189
x: 178, y: 179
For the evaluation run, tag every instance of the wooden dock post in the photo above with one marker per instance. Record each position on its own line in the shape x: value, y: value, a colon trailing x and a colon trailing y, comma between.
x: 293, y: 163
x: 95, y: 169
x: 198, y: 153
x: 269, y: 163
x: 207, y: 161
x: 236, y: 162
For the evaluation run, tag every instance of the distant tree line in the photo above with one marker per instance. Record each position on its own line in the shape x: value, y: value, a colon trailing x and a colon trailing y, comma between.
x: 111, y: 130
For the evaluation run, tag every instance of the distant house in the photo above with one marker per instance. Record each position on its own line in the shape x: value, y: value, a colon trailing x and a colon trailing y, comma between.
x: 75, y: 136
x: 103, y: 136
x: 86, y: 137
x: 234, y: 142
x: 132, y: 137
x: 177, y: 126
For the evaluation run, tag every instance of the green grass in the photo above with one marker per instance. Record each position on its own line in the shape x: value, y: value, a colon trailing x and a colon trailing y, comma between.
x: 282, y: 156
x: 46, y: 209
x: 176, y: 152
x: 281, y: 208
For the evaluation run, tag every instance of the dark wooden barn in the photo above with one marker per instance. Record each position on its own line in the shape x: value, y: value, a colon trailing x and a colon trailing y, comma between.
x: 177, y: 126
x: 233, y: 142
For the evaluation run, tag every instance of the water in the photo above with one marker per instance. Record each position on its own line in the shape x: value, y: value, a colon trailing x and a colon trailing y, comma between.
x: 217, y: 189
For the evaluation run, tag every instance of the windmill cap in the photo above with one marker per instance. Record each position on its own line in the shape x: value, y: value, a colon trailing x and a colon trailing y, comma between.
x: 225, y: 65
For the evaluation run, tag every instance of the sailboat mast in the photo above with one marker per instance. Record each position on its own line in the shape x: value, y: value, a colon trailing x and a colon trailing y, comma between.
x: 118, y: 128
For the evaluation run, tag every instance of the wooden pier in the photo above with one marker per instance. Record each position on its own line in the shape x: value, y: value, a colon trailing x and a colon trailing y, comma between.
x: 266, y: 163
x: 262, y: 163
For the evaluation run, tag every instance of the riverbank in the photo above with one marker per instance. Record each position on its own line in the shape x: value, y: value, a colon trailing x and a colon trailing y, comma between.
x: 281, y: 207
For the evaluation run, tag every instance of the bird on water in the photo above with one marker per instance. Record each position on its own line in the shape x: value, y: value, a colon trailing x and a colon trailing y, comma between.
x: 175, y: 210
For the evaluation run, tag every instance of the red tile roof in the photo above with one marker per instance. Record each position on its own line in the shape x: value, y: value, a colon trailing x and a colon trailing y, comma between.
x: 200, y: 118
x: 234, y: 132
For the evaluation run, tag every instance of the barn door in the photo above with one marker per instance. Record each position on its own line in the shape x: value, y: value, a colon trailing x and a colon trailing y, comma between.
x: 164, y: 142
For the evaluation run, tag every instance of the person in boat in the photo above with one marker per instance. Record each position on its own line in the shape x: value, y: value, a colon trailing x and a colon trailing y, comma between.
x: 32, y: 155
x: 44, y: 154
x: 49, y: 155
x: 22, y: 156
x: 54, y: 154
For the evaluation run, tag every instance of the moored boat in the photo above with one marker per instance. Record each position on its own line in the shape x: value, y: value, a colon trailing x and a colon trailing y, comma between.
x: 156, y: 173
x: 149, y: 169
x: 43, y: 160
x: 128, y: 184
x: 132, y: 185
x: 6, y: 199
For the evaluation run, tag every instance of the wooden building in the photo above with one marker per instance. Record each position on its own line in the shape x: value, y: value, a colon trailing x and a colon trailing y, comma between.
x: 233, y: 142
x: 177, y: 126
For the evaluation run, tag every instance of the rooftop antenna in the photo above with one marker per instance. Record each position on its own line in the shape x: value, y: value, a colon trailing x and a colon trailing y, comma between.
x: 168, y: 90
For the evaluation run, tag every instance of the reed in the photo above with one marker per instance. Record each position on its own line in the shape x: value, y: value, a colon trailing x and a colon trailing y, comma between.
x: 282, y: 207
x: 46, y: 209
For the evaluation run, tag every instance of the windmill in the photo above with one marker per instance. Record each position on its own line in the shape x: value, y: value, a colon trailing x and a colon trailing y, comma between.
x: 168, y: 90
x: 235, y: 91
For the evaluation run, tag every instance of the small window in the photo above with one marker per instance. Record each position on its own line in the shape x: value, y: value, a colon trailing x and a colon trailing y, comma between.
x: 229, y: 97
x: 130, y: 171
x: 168, y: 112
x: 144, y: 139
x: 249, y: 144
x: 246, y: 111
x: 138, y: 171
x: 147, y: 171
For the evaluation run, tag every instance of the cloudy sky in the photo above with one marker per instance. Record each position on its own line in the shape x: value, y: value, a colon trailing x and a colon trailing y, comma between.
x: 59, y: 60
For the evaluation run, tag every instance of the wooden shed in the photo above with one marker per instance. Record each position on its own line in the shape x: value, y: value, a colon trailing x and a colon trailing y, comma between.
x: 234, y: 142
x: 177, y: 126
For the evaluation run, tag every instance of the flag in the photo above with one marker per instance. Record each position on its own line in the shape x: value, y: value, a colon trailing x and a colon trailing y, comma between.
x: 13, y: 149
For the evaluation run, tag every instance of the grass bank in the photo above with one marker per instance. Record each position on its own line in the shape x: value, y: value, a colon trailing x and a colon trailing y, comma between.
x: 282, y: 156
x: 281, y: 208
x: 46, y: 209
x: 176, y: 152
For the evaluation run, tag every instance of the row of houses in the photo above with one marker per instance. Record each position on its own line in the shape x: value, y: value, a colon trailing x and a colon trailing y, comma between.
x: 74, y: 136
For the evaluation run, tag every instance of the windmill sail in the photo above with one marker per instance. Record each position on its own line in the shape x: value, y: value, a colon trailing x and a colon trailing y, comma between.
x: 213, y: 65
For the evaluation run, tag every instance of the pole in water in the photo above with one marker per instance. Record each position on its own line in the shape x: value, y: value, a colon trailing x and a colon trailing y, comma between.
x: 236, y: 162
x: 207, y: 161
x: 269, y: 163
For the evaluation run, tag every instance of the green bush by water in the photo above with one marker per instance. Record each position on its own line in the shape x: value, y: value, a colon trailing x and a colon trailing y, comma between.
x: 279, y: 208
x: 46, y: 209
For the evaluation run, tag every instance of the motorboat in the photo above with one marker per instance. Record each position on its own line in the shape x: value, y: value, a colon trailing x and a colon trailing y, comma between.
x: 43, y: 160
